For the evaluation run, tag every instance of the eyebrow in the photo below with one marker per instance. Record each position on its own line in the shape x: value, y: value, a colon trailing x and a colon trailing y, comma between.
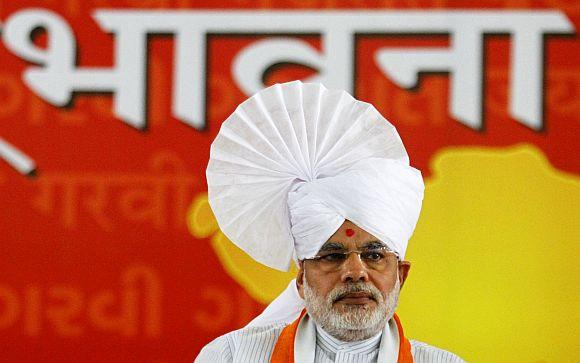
x: 331, y: 246
x: 373, y: 245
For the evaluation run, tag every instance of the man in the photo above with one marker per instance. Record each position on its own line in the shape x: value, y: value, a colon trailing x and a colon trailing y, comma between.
x: 299, y: 172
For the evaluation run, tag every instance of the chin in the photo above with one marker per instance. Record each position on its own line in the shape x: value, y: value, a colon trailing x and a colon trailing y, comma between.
x: 354, y: 325
x: 357, y: 314
x: 350, y: 323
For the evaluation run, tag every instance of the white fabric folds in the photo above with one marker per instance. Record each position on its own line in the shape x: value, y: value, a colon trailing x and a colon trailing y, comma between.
x: 295, y: 160
x: 284, y: 309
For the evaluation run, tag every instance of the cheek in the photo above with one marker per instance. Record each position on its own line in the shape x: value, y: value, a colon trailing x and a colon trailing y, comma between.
x: 320, y: 284
x: 384, y: 283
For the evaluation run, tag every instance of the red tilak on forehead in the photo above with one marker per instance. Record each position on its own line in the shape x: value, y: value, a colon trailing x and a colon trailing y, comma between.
x: 349, y: 232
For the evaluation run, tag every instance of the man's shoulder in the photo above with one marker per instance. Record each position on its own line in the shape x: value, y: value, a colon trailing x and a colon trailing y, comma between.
x: 425, y: 353
x: 249, y: 344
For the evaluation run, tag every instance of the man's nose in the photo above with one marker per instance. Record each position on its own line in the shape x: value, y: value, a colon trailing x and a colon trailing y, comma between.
x: 354, y: 270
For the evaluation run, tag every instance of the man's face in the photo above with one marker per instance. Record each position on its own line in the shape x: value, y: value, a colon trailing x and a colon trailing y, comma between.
x: 354, y: 299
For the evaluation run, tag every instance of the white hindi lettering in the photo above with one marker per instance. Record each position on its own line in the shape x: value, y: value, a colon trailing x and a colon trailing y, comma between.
x: 16, y: 158
x: 55, y: 76
x: 464, y: 59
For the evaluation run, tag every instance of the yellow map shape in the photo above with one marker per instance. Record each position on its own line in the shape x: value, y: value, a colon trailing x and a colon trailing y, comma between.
x: 495, y: 258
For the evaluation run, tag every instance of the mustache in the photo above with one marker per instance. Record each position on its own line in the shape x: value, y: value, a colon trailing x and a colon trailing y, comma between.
x: 342, y: 291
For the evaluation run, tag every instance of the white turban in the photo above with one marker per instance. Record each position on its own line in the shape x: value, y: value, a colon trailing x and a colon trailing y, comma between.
x: 295, y: 160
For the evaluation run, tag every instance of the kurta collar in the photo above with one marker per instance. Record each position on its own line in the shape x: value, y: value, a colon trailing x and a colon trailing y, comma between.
x: 306, y: 339
x: 332, y: 345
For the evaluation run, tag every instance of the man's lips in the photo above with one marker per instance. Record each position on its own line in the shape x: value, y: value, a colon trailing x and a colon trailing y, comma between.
x: 356, y: 298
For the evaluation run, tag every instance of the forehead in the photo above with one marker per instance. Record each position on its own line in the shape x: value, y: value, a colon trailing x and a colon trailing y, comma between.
x: 349, y: 235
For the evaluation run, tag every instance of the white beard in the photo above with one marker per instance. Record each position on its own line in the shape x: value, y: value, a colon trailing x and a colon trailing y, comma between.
x: 358, y: 322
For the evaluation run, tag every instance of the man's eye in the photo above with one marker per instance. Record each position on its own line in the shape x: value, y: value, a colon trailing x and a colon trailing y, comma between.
x: 372, y: 256
x: 334, y: 257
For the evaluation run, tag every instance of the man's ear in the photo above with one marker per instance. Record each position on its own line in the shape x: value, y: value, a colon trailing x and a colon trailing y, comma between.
x: 404, y: 267
x: 300, y: 279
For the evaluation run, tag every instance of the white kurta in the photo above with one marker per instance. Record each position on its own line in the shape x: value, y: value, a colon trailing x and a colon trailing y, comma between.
x: 256, y: 344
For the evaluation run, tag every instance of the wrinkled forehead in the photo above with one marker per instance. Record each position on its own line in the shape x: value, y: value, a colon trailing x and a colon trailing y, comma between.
x: 331, y: 245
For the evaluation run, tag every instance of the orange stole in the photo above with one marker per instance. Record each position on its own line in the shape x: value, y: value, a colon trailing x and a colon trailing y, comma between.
x: 284, y: 349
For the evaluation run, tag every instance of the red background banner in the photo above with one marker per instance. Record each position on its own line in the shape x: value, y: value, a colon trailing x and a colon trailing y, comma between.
x: 97, y: 263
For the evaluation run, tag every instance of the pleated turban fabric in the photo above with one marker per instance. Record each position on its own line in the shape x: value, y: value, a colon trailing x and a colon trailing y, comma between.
x: 296, y: 160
